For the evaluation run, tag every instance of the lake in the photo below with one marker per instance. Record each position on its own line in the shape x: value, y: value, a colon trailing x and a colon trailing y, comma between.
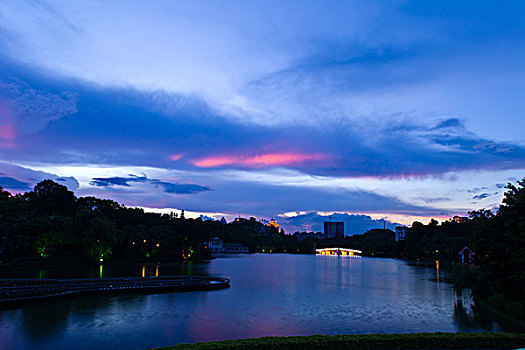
x: 270, y: 295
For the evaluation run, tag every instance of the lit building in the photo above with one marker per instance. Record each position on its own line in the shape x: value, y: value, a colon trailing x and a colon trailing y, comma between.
x: 334, y: 229
x: 273, y: 223
x: 401, y: 233
x: 216, y: 245
x: 466, y: 256
x: 235, y: 248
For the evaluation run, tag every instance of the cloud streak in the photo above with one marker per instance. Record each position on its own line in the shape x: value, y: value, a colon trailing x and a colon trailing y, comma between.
x: 19, y: 179
x: 262, y: 160
x: 168, y: 187
x: 14, y: 184
x: 117, y: 181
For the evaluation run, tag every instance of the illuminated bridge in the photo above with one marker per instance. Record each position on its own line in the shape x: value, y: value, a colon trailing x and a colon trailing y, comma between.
x: 337, y: 251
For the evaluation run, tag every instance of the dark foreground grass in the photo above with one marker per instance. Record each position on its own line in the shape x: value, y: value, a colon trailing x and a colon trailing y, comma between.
x: 370, y: 341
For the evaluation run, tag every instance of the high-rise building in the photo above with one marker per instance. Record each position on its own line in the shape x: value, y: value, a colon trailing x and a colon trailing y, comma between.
x: 401, y: 232
x: 334, y: 229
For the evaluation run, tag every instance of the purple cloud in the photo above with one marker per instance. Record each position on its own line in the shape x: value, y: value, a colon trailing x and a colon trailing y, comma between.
x: 20, y: 179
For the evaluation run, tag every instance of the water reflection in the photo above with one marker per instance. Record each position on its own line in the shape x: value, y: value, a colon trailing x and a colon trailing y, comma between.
x: 437, y: 271
x: 42, y: 273
x: 46, y: 323
x: 463, y: 311
x: 106, y: 270
x: 469, y: 317
x: 55, y: 322
x: 269, y: 295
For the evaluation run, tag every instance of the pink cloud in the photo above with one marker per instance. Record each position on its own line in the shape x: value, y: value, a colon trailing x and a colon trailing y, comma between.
x: 268, y: 159
x: 175, y: 157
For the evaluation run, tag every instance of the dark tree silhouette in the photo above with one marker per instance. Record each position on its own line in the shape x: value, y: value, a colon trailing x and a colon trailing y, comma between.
x: 49, y: 197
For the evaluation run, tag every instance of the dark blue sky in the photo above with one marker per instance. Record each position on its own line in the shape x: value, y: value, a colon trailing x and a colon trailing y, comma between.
x: 401, y: 110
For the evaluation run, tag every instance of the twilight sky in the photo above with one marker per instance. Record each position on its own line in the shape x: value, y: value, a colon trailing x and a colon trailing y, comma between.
x: 396, y: 110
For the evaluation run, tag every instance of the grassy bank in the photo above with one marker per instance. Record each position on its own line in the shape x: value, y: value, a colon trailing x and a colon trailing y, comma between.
x: 370, y: 341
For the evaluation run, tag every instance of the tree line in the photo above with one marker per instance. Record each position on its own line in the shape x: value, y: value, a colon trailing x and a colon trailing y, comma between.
x: 50, y: 224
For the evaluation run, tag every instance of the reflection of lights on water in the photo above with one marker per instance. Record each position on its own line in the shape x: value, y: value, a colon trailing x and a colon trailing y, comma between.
x: 437, y: 270
x: 100, y: 270
x: 157, y: 271
x: 143, y: 270
x: 337, y: 251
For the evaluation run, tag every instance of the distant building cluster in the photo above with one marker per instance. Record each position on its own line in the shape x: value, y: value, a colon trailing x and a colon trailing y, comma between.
x: 332, y: 229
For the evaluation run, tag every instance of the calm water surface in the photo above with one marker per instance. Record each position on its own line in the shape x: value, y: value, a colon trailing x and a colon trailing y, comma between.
x: 269, y: 295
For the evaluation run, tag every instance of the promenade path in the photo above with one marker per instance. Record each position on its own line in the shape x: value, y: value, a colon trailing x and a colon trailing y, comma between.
x: 15, y: 292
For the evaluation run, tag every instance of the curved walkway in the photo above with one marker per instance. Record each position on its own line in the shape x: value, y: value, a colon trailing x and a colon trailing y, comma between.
x: 14, y: 292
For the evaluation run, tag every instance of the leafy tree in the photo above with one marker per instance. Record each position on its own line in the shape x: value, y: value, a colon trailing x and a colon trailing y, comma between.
x: 51, y: 198
x: 499, y: 242
x: 4, y: 202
